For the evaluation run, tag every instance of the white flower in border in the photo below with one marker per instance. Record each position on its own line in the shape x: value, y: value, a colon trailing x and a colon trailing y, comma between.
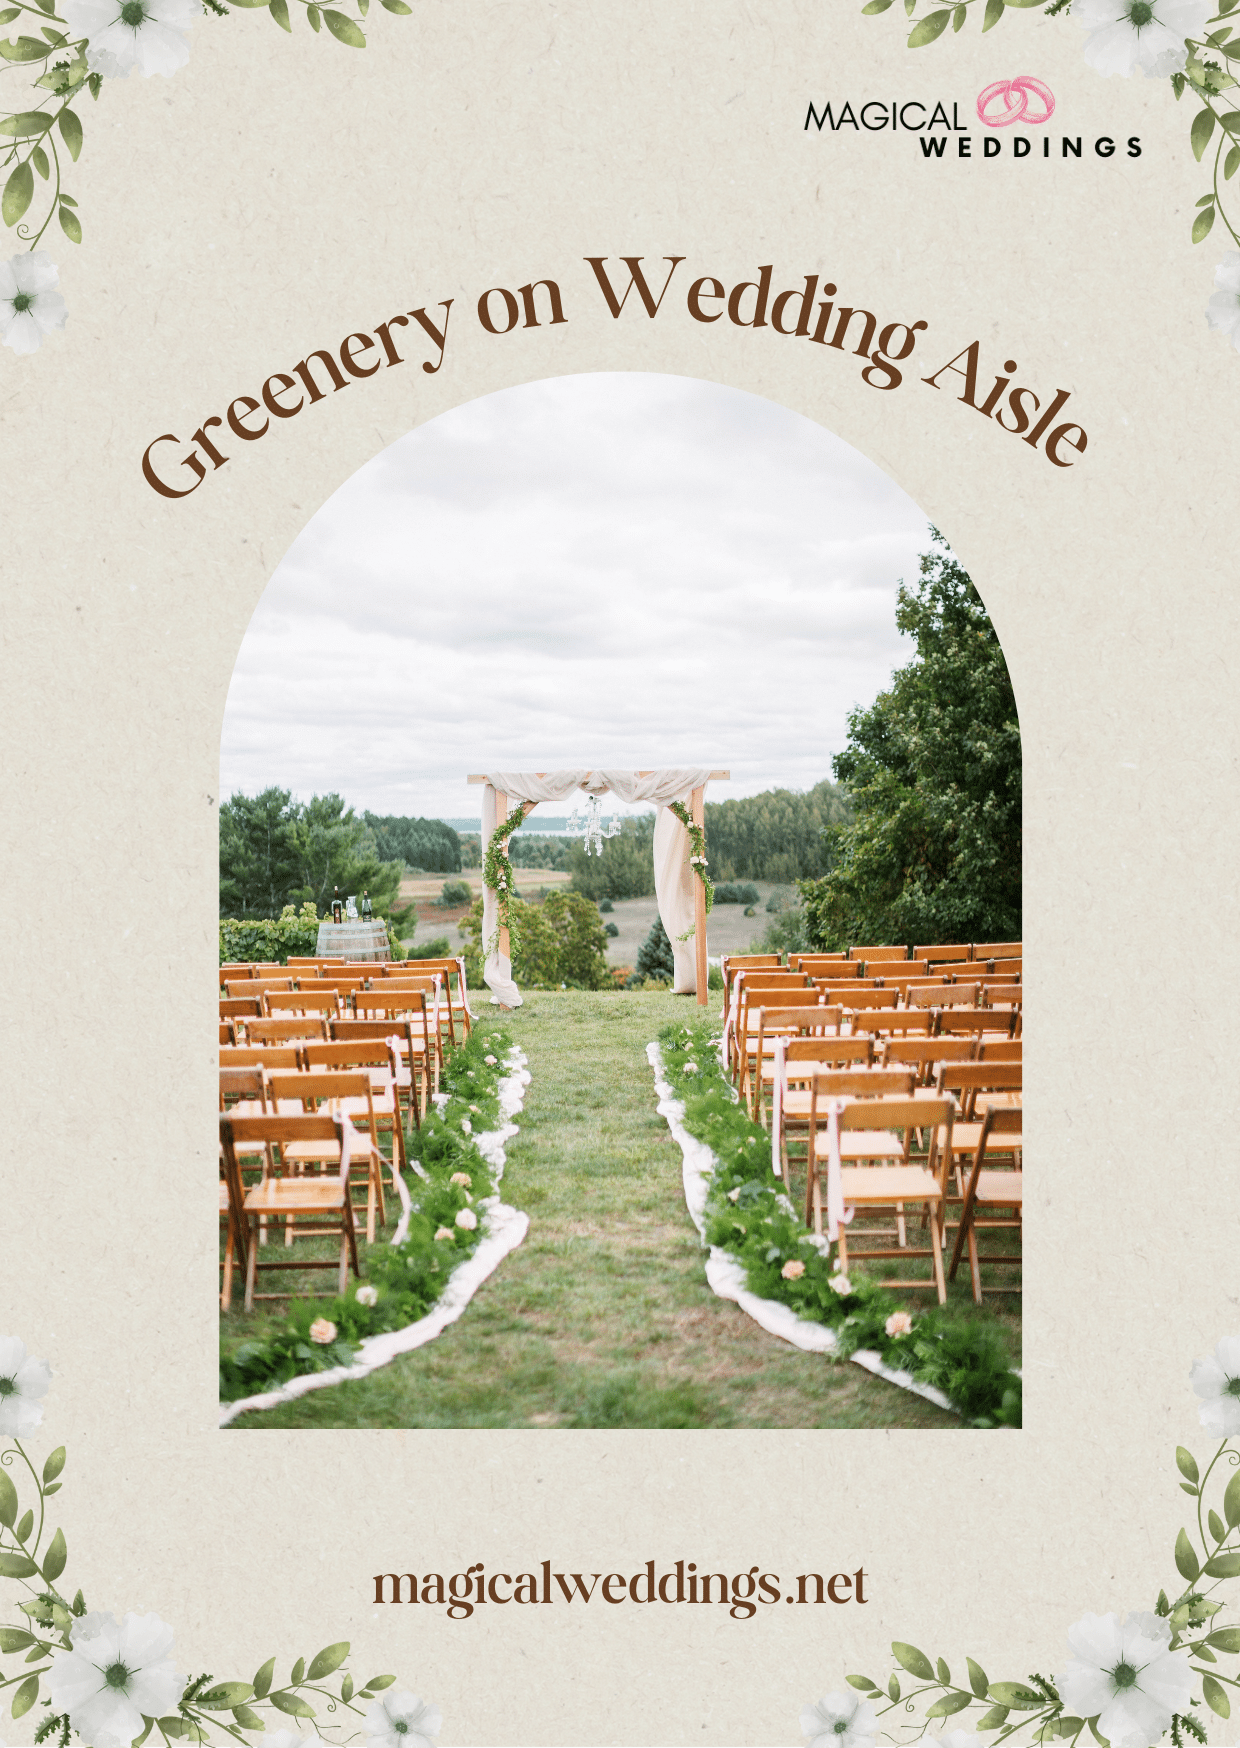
x: 491, y: 1061
x: 365, y: 1296
x: 466, y: 1126
x: 400, y: 1720
x: 461, y: 1177
x: 1127, y: 34
x: 840, y: 1284
x: 467, y: 1219
x: 1216, y: 1379
x: 1124, y: 1675
x: 444, y: 1232
x: 792, y: 1271
x: 22, y: 1381
x: 323, y: 1332
x: 30, y: 306
x: 898, y: 1324
x: 124, y: 34
x: 734, y: 1195
x: 1223, y: 309
x: 116, y: 1672
x: 840, y: 1720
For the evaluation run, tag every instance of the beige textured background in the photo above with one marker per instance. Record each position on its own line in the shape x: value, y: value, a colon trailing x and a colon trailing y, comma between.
x: 279, y: 194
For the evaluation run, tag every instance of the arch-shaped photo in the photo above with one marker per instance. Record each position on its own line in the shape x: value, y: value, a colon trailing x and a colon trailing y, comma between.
x: 620, y: 920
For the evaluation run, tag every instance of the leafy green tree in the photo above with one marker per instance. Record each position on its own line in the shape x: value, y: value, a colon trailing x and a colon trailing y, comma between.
x: 260, y: 866
x: 773, y: 836
x: 934, y: 771
x: 337, y: 850
x: 626, y: 867
x: 582, y: 940
x: 654, y: 956
x: 428, y: 844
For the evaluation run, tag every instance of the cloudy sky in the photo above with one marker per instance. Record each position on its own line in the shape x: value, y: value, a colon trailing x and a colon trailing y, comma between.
x: 610, y: 570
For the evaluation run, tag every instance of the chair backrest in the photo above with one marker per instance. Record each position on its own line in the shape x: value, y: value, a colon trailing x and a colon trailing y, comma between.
x: 997, y: 950
x: 864, y: 1083
x: 996, y: 995
x: 936, y: 954
x: 447, y: 968
x: 349, y: 1053
x: 976, y: 1020
x: 959, y: 995
x: 395, y: 1001
x: 902, y: 971
x: 979, y: 1076
x: 927, y: 995
x: 273, y: 1057
x: 870, y: 998
x: 885, y: 1020
x: 317, y: 1085
x: 1001, y: 1050
x: 1002, y: 1120
x: 906, y: 1114
x: 920, y: 1052
x: 272, y: 1127
x: 340, y: 979
x: 964, y: 968
x: 867, y: 954
x: 829, y: 969
x: 256, y: 985
x: 236, y: 968
x: 800, y: 1054
x: 837, y: 989
x: 310, y: 1000
x: 797, y: 1016
x: 814, y: 961
x: 401, y: 1029
x: 299, y: 964
x: 284, y: 1031
x: 228, y: 1032
x: 234, y: 1007
x: 241, y: 1083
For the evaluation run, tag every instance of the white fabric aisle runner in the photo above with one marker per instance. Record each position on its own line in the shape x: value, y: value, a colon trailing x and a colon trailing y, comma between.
x: 726, y: 1276
x: 505, y: 1229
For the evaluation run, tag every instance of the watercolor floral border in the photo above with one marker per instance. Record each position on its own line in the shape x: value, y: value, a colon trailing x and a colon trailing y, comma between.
x: 1131, y: 1681
x: 113, y: 1683
x: 1190, y: 44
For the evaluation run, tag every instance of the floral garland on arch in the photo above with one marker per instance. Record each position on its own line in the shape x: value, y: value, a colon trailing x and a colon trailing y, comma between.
x: 79, y: 45
x: 113, y: 1683
x: 498, y: 875
x: 1130, y: 1681
x: 1188, y: 42
x: 697, y: 852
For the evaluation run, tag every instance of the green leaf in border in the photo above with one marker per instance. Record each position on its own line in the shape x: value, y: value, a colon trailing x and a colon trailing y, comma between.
x: 1215, y: 1696
x: 1199, y: 134
x: 17, y: 1565
x: 1186, y: 1463
x: 279, y: 11
x: 312, y: 13
x: 1202, y: 224
x: 8, y: 1501
x: 262, y: 1681
x: 329, y: 1658
x: 1186, y: 1561
x: 993, y: 1719
x: 25, y: 1696
x: 994, y: 12
x: 344, y: 30
x: 978, y: 1679
x: 915, y: 1661
x: 868, y: 11
x: 950, y: 1703
x: 57, y: 1556
x: 929, y: 29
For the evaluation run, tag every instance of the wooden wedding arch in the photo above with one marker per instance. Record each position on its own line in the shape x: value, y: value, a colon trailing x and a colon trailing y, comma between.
x: 697, y: 805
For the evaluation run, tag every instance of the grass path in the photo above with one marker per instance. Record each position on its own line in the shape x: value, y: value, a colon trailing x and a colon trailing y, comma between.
x: 603, y: 1317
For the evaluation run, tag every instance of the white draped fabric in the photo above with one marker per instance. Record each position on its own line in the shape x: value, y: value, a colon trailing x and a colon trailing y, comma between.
x: 673, y: 875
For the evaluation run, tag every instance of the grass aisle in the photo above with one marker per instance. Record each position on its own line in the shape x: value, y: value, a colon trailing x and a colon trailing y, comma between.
x: 603, y: 1317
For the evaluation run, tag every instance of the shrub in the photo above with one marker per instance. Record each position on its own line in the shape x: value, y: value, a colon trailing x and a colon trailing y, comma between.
x: 611, y: 930
x: 439, y: 948
x: 785, y: 933
x: 780, y: 899
x: 561, y: 942
x: 582, y: 943
x: 269, y: 939
x: 453, y: 893
x: 606, y: 904
x: 729, y: 892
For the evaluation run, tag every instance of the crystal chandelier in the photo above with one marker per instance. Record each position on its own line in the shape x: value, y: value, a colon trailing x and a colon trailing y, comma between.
x: 588, y: 825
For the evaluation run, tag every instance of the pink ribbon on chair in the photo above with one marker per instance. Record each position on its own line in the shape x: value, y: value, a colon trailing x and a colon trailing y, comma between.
x: 777, y: 1108
x: 837, y: 1214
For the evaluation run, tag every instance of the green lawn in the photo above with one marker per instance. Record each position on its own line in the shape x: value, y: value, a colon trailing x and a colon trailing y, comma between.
x: 602, y: 1317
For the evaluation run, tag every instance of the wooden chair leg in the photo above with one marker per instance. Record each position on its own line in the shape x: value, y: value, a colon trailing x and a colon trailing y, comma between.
x: 343, y: 1279
x: 226, y: 1289
x: 975, y: 1264
x: 250, y: 1266
x: 936, y: 1246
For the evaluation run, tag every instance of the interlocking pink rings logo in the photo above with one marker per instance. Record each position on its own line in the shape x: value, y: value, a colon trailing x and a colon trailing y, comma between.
x: 1014, y: 95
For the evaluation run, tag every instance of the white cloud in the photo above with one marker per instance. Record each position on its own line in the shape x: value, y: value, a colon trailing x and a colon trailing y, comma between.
x: 625, y: 570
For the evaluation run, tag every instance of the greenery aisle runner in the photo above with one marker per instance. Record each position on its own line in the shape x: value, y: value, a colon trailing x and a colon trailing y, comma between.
x: 727, y: 1276
x: 756, y: 1241
x: 503, y: 1229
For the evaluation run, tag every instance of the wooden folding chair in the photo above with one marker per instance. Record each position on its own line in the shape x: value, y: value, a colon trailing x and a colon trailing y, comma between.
x: 414, y: 1057
x: 751, y: 988
x: 433, y: 986
x: 448, y: 969
x: 235, y: 968
x: 897, y: 973
x: 394, y: 1002
x: 893, y: 1021
x: 978, y: 1021
x: 817, y: 964
x: 960, y: 995
x: 986, y: 1192
x: 871, y: 1133
x: 345, y: 1094
x: 251, y: 986
x: 839, y: 1068
x: 830, y: 970
x: 378, y: 1057
x: 872, y: 955
x: 998, y: 1082
x: 279, y: 1058
x: 325, y: 1200
x: 1001, y: 1050
x: 232, y: 1218
x: 228, y: 1032
x: 997, y: 950
x: 747, y: 1037
x: 856, y: 1000
x: 239, y: 1010
x: 800, y: 1020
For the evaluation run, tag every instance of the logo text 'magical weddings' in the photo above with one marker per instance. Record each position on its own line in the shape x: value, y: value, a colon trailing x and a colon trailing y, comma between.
x: 1001, y: 104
